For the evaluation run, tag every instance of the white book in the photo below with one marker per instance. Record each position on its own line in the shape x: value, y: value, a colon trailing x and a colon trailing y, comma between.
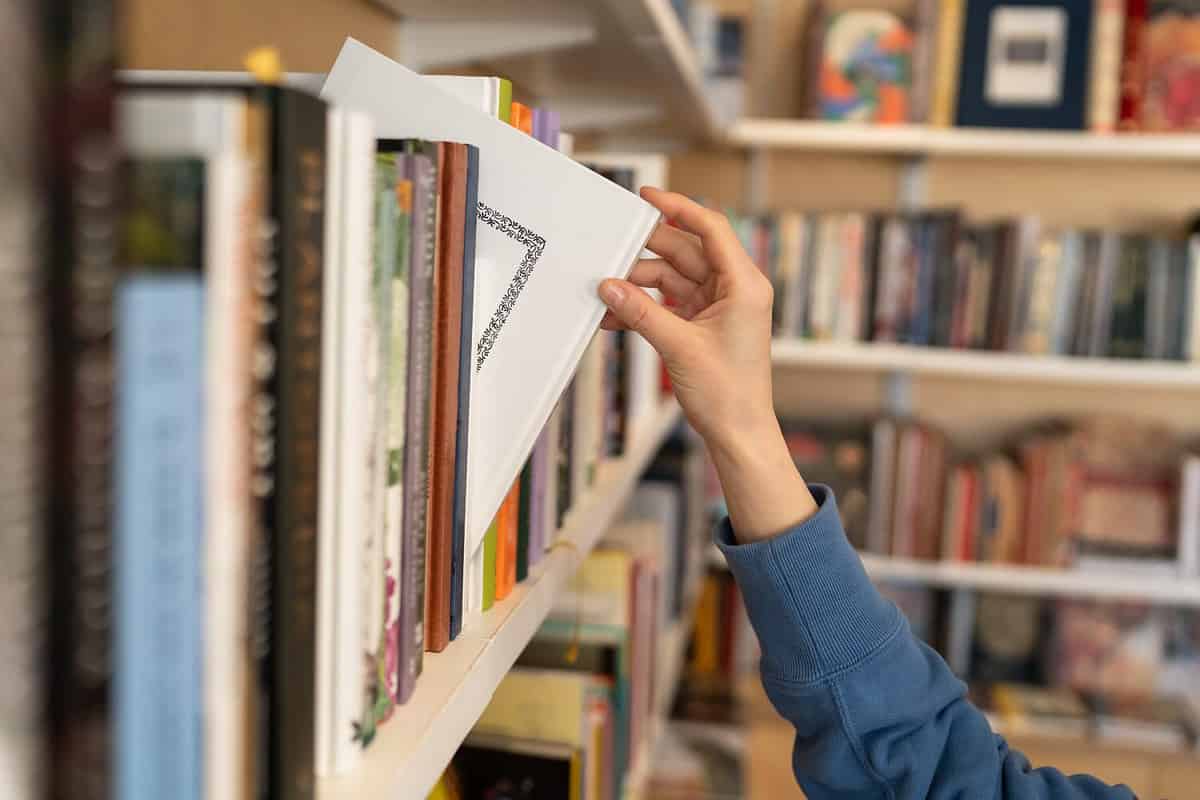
x: 1192, y: 330
x: 566, y: 144
x: 1189, y: 518
x: 211, y: 126
x: 347, y: 298
x: 643, y: 381
x: 549, y: 231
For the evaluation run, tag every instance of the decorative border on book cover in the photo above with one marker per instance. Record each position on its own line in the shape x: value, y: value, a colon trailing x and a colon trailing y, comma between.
x: 534, y: 245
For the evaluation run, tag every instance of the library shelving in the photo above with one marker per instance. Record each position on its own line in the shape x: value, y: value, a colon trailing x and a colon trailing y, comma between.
x: 456, y: 685
x: 1043, y: 581
x: 984, y: 364
x: 601, y: 64
x: 924, y: 140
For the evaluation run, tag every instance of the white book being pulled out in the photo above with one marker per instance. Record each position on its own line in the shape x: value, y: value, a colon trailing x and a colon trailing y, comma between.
x: 549, y: 230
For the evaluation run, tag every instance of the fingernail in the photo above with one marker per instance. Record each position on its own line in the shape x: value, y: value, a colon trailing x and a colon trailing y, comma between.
x: 612, y: 293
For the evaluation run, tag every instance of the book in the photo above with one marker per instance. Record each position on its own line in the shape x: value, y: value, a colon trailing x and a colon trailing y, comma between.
x: 1189, y: 518
x: 866, y: 67
x: 521, y: 289
x: 158, y: 534
x: 1104, y: 82
x: 1171, y: 49
x: 1006, y: 643
x: 1158, y: 723
x: 924, y: 55
x: 1034, y: 73
x: 1001, y: 538
x: 1026, y: 710
x: 442, y: 537
x: 496, y: 766
x: 949, y: 49
x: 506, y: 541
x: 1133, y: 65
x: 1127, y: 336
x: 524, y: 520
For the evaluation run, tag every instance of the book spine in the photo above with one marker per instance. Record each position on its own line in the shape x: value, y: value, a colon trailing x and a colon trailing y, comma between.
x: 1192, y: 326
x: 524, y: 508
x: 490, y: 566
x: 945, y: 74
x: 537, y: 489
x: 506, y: 562
x: 565, y: 454
x: 924, y: 55
x: 1104, y: 87
x: 1127, y: 337
x: 300, y: 184
x: 1189, y: 519
x: 459, y: 558
x: 1133, y: 65
x: 82, y: 187
x: 24, y: 554
x: 158, y: 683
x: 417, y: 429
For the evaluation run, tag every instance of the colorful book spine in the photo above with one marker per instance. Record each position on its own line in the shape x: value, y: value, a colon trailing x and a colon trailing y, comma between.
x: 1133, y: 65
x: 1104, y: 86
x: 946, y: 63
x: 490, y: 559
x: 300, y: 187
x: 417, y: 417
x: 459, y: 557
x: 159, y: 537
x: 506, y: 552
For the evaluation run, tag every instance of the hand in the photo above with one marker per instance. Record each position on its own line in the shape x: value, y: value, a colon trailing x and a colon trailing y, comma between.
x: 716, y: 344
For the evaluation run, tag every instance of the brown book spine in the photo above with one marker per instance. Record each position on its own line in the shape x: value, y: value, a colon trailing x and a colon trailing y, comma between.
x: 447, y: 341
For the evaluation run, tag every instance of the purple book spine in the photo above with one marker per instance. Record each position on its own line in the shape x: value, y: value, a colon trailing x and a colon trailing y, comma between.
x: 551, y: 127
x: 537, y: 521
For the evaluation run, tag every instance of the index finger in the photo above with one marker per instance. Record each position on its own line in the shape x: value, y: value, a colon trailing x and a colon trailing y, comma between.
x: 714, y: 230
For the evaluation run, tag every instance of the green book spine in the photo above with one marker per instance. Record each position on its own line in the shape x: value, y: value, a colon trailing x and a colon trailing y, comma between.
x: 489, y: 566
x: 523, y: 506
x: 504, y: 112
x: 1127, y: 334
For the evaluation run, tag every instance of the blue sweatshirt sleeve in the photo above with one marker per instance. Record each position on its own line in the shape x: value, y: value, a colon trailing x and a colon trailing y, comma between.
x: 877, y: 713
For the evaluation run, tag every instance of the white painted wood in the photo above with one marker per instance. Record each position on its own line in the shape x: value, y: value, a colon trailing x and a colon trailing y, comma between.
x: 907, y: 140
x: 1035, y: 580
x: 426, y: 44
x: 984, y: 365
x: 414, y: 747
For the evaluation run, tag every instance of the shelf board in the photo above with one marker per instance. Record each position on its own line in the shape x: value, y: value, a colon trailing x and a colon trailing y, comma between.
x: 1035, y: 580
x: 638, y: 55
x: 922, y: 140
x: 978, y: 364
x: 413, y: 749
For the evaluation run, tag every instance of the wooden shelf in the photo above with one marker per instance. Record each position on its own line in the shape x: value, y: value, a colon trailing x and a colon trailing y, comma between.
x: 1043, y: 581
x: 921, y: 140
x: 602, y: 64
x: 413, y: 749
x: 985, y: 365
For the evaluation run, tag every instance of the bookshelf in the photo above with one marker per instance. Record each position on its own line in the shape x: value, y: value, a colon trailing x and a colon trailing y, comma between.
x: 989, y: 365
x: 1035, y: 580
x: 923, y: 140
x: 456, y: 685
x: 601, y: 64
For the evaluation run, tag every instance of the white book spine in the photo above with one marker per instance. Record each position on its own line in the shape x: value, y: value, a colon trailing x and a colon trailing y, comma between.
x: 1193, y: 305
x: 1189, y: 518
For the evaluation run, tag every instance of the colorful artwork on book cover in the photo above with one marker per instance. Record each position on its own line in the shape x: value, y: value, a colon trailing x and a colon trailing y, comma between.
x: 1171, y: 101
x: 866, y: 68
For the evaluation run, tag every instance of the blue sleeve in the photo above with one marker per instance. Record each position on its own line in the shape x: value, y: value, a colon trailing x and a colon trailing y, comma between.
x: 877, y: 713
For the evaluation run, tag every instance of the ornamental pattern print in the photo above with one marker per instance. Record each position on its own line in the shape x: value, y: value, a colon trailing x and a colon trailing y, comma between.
x: 534, y: 246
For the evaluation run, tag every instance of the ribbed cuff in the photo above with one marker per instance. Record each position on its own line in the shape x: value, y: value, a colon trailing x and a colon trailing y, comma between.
x: 809, y: 599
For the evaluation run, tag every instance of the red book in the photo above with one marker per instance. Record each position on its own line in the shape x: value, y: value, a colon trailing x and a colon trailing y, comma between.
x: 1133, y: 66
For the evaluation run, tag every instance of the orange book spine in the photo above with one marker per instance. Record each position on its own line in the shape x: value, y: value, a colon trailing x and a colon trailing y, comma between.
x: 521, y: 118
x: 506, y: 555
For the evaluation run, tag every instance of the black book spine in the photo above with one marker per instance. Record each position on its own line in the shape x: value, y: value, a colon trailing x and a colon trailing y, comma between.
x: 82, y: 183
x: 299, y: 158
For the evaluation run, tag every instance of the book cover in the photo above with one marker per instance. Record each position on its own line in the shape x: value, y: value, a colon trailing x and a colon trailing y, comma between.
x: 866, y: 67
x: 462, y: 563
x: 409, y: 444
x: 1127, y: 332
x: 158, y: 684
x: 1031, y: 66
x: 1001, y: 538
x: 501, y: 766
x: 1171, y: 89
x: 1104, y: 82
x: 1007, y: 643
x: 537, y: 262
x: 946, y: 66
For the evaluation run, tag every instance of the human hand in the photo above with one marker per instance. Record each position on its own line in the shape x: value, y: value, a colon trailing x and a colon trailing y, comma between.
x: 716, y: 344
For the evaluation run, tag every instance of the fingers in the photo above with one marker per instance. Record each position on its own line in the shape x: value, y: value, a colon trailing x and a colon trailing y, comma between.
x: 717, y: 236
x: 682, y: 249
x: 631, y: 308
x: 655, y: 273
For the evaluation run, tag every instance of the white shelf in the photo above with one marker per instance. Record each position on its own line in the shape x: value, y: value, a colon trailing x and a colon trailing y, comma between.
x: 977, y: 364
x: 414, y: 747
x: 629, y: 60
x: 921, y: 140
x: 1035, y: 580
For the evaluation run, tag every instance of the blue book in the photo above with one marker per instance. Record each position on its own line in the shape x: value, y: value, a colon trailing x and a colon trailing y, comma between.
x: 159, y: 537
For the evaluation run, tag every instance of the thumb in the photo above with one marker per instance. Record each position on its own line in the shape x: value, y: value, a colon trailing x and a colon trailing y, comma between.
x: 639, y: 312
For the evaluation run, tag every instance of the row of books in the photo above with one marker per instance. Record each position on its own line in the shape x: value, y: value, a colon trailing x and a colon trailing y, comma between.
x: 1103, y: 494
x: 575, y: 714
x: 1099, y: 65
x: 931, y: 278
x: 1165, y: 723
x: 273, y: 327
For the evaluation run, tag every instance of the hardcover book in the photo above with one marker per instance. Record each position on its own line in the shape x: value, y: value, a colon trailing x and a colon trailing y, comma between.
x: 1171, y: 93
x: 866, y: 67
x: 538, y: 261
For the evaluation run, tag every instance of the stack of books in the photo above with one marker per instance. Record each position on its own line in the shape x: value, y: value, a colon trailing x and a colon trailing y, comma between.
x: 310, y: 398
x: 575, y: 715
x: 1067, y: 64
x: 933, y: 279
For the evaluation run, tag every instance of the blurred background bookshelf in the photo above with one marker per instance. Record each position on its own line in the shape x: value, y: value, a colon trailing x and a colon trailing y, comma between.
x: 741, y: 106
